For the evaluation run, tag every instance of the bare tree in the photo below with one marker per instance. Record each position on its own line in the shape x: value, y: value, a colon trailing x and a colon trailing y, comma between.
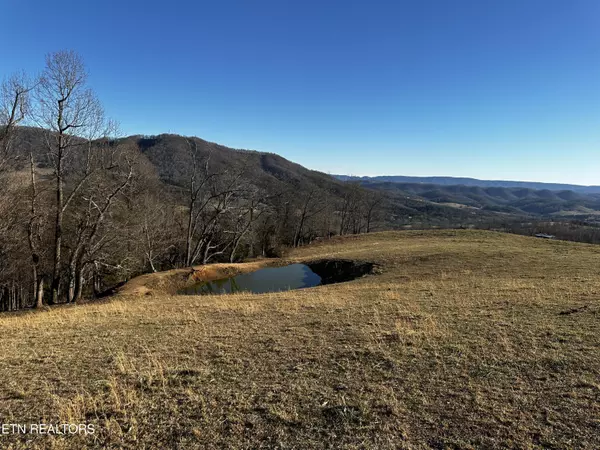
x: 112, y: 166
x: 243, y: 221
x: 69, y: 111
x: 272, y: 228
x: 155, y: 228
x: 223, y: 201
x: 34, y: 236
x: 14, y: 108
x: 200, y: 177
x: 211, y: 198
x: 14, y: 261
x: 312, y: 203
x: 351, y: 214
x: 372, y: 202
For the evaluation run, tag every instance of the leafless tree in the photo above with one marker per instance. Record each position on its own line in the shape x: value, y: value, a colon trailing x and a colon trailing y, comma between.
x: 372, y: 203
x: 34, y: 236
x: 351, y: 211
x: 224, y: 201
x: 99, y: 204
x: 311, y: 204
x: 70, y: 112
x: 272, y: 228
x: 14, y: 108
x: 199, y: 179
x: 156, y: 228
x: 244, y: 219
x: 212, y: 196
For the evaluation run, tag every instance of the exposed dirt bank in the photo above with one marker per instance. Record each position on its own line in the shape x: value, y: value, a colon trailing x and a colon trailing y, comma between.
x: 340, y: 270
x: 171, y: 281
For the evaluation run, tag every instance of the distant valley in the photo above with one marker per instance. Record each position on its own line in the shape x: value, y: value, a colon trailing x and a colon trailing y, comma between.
x: 509, y: 197
x: 452, y: 181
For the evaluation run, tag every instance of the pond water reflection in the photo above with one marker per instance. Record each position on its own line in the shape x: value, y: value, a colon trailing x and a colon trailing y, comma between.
x: 270, y: 279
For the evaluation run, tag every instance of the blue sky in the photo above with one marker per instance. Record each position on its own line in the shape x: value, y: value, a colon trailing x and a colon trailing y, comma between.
x: 494, y: 89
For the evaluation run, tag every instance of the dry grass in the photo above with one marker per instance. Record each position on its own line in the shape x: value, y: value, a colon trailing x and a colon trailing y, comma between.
x: 465, y: 340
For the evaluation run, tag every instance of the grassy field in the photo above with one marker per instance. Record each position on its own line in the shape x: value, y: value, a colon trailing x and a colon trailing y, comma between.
x: 465, y: 339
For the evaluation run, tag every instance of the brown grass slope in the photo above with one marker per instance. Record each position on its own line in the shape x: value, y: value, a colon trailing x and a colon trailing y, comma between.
x: 465, y: 340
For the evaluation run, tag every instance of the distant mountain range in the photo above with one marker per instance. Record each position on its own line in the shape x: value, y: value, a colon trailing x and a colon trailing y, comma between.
x: 454, y: 181
x: 516, y: 198
x: 511, y: 200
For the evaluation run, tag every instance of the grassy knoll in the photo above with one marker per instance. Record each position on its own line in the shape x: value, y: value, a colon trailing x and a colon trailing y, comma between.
x: 466, y: 339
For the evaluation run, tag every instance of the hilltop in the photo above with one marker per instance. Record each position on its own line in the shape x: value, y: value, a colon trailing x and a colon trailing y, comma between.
x: 465, y: 339
x: 169, y: 155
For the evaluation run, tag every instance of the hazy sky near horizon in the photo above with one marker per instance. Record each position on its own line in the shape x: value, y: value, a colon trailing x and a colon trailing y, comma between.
x: 493, y: 89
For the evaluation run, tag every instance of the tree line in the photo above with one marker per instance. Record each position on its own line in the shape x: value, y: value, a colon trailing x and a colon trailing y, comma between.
x: 83, y: 209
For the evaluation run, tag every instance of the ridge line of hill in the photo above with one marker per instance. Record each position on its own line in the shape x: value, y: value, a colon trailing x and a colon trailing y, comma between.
x: 465, y: 181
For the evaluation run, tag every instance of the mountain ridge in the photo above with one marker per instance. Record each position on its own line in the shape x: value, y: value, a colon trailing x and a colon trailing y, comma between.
x: 431, y: 202
x: 451, y: 181
x: 512, y: 200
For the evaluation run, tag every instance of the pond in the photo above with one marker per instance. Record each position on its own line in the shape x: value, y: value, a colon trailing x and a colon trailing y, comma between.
x: 270, y: 279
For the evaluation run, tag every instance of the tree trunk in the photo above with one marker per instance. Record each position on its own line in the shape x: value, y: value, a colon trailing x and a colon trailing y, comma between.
x: 37, y: 284
x: 72, y: 282
x: 58, y: 226
x: 236, y: 244
x: 78, y: 283
x: 151, y: 262
x: 298, y: 233
x: 233, y: 250
x: 39, y: 299
x: 188, y: 246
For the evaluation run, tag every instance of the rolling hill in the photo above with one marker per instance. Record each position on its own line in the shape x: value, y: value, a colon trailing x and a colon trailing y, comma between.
x: 169, y: 154
x: 511, y: 200
x: 446, y: 181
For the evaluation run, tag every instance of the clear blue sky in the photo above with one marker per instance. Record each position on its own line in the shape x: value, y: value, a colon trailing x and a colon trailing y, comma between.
x: 495, y: 89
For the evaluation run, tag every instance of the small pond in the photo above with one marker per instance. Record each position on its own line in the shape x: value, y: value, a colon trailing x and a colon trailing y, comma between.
x: 270, y: 279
